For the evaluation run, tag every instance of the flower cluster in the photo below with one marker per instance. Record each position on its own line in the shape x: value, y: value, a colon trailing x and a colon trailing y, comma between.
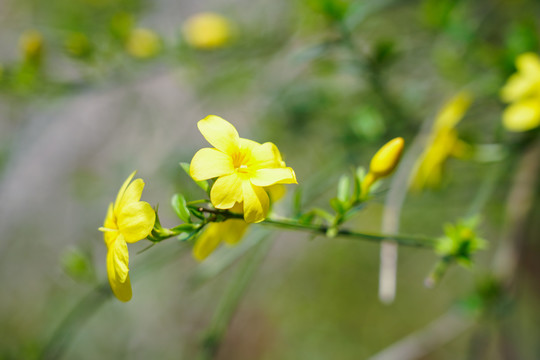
x: 243, y: 168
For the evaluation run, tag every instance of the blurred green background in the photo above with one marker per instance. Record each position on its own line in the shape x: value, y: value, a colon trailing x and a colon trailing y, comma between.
x: 329, y: 82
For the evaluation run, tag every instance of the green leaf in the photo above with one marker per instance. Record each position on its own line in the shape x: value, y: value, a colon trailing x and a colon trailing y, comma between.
x: 337, y: 205
x: 343, y: 191
x: 202, y: 184
x: 179, y: 205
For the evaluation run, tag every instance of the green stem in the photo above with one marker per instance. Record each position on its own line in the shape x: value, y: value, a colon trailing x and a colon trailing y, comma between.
x: 407, y: 240
x: 291, y: 224
x: 229, y: 304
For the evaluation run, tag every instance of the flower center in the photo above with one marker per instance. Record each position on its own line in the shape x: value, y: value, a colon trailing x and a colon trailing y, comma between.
x: 240, y: 162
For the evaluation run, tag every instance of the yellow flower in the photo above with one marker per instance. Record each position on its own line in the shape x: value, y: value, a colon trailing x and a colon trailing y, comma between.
x: 383, y: 163
x: 243, y: 168
x: 522, y: 91
x: 128, y: 220
x: 31, y: 46
x: 207, y: 31
x: 442, y: 144
x: 143, y: 43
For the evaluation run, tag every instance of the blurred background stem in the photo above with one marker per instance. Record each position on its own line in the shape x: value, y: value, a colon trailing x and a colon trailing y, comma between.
x: 229, y: 302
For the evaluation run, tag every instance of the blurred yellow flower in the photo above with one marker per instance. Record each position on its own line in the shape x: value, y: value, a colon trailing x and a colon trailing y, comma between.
x: 128, y: 220
x: 442, y: 143
x: 229, y: 231
x: 243, y: 168
x: 143, y: 43
x: 522, y: 91
x: 31, y: 46
x: 207, y: 31
x: 383, y: 163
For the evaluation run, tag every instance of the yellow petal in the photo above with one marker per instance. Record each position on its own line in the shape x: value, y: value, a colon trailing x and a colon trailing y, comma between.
x: 132, y: 194
x: 226, y: 191
x: 210, y: 163
x: 255, y: 202
x: 220, y: 133
x: 267, y: 177
x: 208, y: 241
x: 120, y: 289
x: 207, y: 31
x: 247, y: 144
x: 109, y: 236
x: 276, y: 192
x: 526, y: 81
x: 123, y: 189
x: 233, y: 230
x: 110, y: 222
x: 453, y: 111
x: 528, y: 63
x: 120, y: 259
x: 522, y: 116
x: 516, y: 87
x: 136, y: 221
x: 266, y: 156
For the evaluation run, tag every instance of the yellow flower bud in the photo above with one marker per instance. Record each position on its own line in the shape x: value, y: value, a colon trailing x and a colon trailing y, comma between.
x: 383, y: 163
x: 143, y: 43
x: 387, y: 158
x: 207, y: 31
x: 31, y: 46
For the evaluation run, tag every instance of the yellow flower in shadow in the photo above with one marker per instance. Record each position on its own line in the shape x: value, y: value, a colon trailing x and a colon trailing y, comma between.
x: 522, y: 92
x: 128, y: 220
x: 229, y: 231
x: 243, y: 169
x: 207, y: 31
x: 443, y: 142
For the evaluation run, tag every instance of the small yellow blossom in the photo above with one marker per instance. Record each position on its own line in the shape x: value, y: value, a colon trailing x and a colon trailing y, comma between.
x: 31, y: 46
x: 522, y: 91
x: 383, y: 163
x: 243, y: 169
x: 207, y: 31
x: 128, y: 220
x: 143, y: 43
x: 442, y: 143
